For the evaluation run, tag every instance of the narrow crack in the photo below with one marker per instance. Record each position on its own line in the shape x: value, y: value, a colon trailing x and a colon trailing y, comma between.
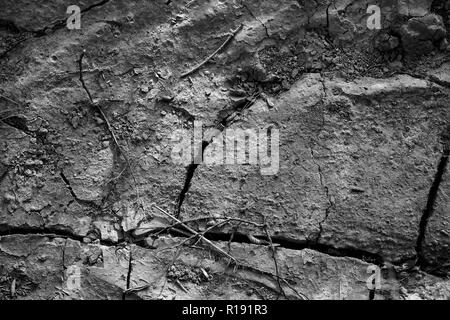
x: 293, y: 244
x: 64, y: 256
x: 190, y: 171
x: 18, y: 123
x: 280, y: 241
x: 328, y: 19
x: 69, y: 187
x: 429, y: 209
x: 44, y: 231
x: 330, y: 202
x: 130, y: 270
x: 77, y: 199
x: 50, y: 232
x: 80, y: 66
x: 225, y: 119
x: 3, y: 172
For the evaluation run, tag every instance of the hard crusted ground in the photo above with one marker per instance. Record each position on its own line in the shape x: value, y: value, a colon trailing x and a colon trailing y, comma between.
x: 87, y: 116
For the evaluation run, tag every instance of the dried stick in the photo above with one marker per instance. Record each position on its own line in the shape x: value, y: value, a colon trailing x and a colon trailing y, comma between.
x: 230, y: 37
x: 178, y: 244
x: 7, y: 117
x: 207, y: 218
x: 198, y: 234
x: 301, y: 295
x: 275, y: 261
x: 201, y: 234
x: 108, y: 124
x: 100, y: 110
x: 7, y: 110
x: 181, y: 286
x: 10, y: 100
x: 139, y: 288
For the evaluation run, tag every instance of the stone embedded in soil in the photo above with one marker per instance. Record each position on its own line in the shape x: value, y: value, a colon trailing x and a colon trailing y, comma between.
x: 441, y: 75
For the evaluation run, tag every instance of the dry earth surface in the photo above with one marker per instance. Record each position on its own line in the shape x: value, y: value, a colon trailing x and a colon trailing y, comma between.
x: 87, y: 119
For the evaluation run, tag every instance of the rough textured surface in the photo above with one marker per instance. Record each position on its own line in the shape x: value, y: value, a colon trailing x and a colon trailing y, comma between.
x: 87, y: 125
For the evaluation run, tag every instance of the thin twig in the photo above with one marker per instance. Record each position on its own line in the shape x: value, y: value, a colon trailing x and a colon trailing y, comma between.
x: 7, y: 110
x: 178, y: 244
x: 230, y: 37
x: 198, y: 234
x: 10, y: 100
x: 275, y: 262
x: 135, y: 289
x: 202, y: 234
x: 181, y: 286
x: 7, y: 117
x: 301, y: 295
x: 108, y: 124
x: 206, y: 218
x: 100, y: 110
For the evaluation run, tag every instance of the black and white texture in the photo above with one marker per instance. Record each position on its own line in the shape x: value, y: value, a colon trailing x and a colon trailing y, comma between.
x: 92, y: 205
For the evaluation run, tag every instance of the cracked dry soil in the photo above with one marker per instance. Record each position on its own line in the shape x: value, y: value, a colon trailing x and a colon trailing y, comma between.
x: 90, y: 195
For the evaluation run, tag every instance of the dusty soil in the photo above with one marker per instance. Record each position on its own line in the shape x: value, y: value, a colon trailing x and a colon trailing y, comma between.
x: 87, y: 116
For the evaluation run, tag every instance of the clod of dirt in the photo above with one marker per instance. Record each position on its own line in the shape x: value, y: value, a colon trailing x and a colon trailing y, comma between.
x: 421, y: 35
x: 386, y: 42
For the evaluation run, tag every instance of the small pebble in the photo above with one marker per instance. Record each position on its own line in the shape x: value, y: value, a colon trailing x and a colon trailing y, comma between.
x: 8, y: 197
x: 166, y: 98
x: 99, y: 120
x: 270, y: 103
x: 87, y: 240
